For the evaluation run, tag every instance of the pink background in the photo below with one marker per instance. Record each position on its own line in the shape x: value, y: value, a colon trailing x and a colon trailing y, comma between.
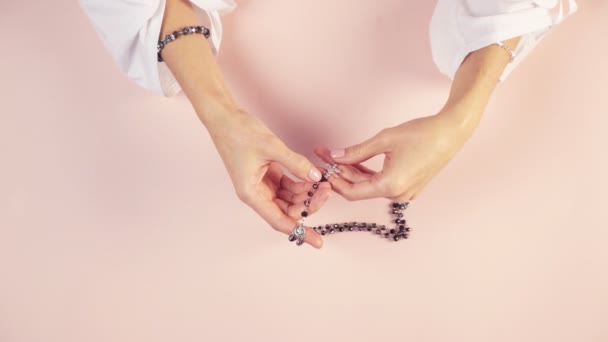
x: 119, y: 223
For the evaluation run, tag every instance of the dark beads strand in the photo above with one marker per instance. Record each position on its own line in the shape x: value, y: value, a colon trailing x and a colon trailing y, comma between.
x: 400, y: 232
x: 176, y: 34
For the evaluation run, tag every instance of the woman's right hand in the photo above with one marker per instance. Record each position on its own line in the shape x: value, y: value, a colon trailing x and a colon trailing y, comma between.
x: 253, y: 155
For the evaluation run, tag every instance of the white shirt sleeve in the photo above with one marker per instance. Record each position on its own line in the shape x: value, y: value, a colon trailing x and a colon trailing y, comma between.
x: 130, y: 29
x: 459, y: 27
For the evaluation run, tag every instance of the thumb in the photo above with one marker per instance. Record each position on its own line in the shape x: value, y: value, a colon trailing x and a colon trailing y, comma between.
x: 299, y: 165
x: 358, y: 153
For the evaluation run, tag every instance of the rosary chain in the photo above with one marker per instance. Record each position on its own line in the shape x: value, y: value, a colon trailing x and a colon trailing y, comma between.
x: 399, y: 232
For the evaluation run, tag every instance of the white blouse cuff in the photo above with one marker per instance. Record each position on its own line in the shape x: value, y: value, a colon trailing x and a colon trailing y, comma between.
x: 454, y: 33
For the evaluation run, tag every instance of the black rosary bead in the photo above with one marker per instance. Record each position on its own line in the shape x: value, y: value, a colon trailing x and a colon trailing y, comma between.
x: 398, y: 233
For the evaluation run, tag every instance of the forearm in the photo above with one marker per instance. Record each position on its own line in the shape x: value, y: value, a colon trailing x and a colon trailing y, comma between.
x: 194, y: 65
x: 475, y: 82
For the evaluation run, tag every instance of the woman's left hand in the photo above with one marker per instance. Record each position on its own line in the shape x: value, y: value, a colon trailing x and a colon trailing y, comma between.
x: 414, y: 151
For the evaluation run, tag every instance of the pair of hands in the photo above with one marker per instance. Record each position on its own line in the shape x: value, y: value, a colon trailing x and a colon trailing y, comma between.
x: 414, y: 151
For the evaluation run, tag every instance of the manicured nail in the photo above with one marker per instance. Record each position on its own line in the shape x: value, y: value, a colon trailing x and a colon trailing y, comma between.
x: 314, y: 175
x: 337, y: 153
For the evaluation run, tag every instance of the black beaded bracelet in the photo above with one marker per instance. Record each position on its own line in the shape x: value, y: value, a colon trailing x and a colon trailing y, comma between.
x: 177, y: 33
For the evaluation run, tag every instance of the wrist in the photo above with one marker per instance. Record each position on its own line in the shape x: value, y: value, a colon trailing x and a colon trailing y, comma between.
x: 474, y: 83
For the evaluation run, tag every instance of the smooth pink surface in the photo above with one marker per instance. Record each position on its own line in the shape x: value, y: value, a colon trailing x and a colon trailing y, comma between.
x: 118, y: 222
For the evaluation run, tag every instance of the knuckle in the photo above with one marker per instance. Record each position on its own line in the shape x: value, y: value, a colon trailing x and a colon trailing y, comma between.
x: 347, y: 195
x: 356, y: 149
x: 393, y: 193
x: 405, y: 197
x: 244, y: 194
x: 390, y: 189
x: 384, y: 140
x: 300, y: 161
x: 383, y: 136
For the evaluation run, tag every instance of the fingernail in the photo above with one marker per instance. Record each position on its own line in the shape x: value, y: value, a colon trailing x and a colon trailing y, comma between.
x: 337, y: 153
x: 314, y: 175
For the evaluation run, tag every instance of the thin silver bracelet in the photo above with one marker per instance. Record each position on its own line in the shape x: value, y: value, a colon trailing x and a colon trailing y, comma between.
x: 511, y: 52
x: 177, y: 33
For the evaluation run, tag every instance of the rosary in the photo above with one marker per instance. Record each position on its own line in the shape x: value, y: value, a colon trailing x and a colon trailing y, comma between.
x: 401, y: 230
